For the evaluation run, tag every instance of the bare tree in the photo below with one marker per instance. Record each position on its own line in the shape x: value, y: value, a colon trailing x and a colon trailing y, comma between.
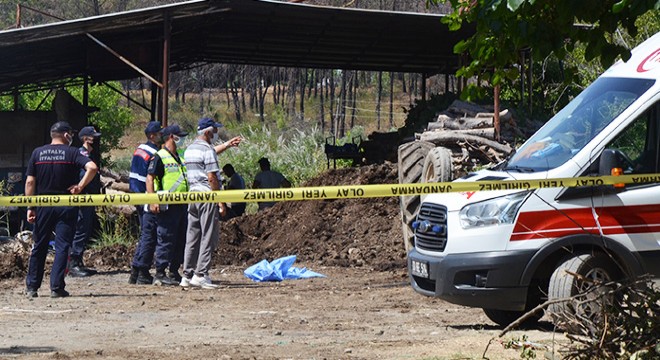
x: 391, y: 99
x: 331, y: 84
x: 379, y: 93
x: 321, y: 102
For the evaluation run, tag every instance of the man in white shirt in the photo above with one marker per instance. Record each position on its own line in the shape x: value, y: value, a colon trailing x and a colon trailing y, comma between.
x: 203, y: 218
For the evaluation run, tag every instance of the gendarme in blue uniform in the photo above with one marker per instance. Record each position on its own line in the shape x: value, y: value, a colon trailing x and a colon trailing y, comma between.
x: 139, y: 165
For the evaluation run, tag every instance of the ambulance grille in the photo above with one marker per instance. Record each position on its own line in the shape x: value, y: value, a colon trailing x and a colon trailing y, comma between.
x: 434, y: 216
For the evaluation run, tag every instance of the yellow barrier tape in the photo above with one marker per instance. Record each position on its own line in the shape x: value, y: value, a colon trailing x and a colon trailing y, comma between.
x: 319, y: 193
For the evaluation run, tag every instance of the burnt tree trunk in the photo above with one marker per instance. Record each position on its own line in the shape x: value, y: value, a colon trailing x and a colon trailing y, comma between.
x: 342, y: 108
x: 262, y: 91
x: 303, y: 85
x: 332, y: 102
x: 237, y: 103
x: 291, y: 93
x: 391, y: 99
x: 322, y: 105
x: 379, y: 93
x: 354, y: 98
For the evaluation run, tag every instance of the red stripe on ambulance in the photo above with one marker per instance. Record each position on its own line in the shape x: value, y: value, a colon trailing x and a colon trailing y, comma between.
x: 536, y: 225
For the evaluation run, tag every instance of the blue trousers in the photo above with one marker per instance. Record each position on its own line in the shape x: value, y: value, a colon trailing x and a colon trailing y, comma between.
x: 162, y: 239
x: 84, y: 225
x: 144, y: 252
x: 62, y: 220
x: 171, y: 231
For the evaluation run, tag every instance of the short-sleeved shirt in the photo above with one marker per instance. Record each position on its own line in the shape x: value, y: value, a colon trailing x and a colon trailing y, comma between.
x: 56, y: 168
x: 201, y: 159
x: 269, y: 180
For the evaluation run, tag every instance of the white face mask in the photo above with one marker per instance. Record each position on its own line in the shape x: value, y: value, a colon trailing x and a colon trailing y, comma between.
x: 179, y: 141
x: 215, y: 138
x: 68, y: 138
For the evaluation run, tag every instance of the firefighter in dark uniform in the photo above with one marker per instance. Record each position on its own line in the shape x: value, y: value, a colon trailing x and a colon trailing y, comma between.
x: 54, y: 169
x: 86, y: 214
x: 167, y: 173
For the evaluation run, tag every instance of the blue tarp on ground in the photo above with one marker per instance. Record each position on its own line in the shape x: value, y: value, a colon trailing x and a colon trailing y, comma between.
x: 278, y: 270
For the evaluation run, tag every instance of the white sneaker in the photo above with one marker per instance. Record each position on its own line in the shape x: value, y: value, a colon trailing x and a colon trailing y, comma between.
x: 203, y: 281
x: 185, y: 282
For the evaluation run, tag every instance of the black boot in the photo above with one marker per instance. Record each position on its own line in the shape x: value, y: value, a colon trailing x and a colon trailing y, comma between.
x: 162, y: 279
x: 87, y: 269
x: 174, y: 275
x: 144, y: 277
x: 77, y: 269
x: 132, y: 279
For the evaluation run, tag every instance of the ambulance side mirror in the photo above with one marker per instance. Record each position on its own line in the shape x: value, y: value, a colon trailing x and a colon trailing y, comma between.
x: 608, y: 161
x: 612, y: 162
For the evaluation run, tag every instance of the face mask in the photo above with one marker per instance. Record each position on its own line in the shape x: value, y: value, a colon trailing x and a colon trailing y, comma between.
x: 215, y: 138
x: 179, y: 141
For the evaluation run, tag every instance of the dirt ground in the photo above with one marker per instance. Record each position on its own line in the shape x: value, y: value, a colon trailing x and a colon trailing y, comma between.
x: 364, y: 308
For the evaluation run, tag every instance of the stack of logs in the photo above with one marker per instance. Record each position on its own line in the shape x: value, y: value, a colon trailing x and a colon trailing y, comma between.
x: 114, y: 183
x: 467, y: 130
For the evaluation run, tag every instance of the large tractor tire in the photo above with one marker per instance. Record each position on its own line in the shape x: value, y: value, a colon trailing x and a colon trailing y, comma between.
x: 411, y: 157
x: 586, y: 274
x: 438, y: 166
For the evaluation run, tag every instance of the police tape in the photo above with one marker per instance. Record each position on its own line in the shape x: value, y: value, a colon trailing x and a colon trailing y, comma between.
x: 320, y: 192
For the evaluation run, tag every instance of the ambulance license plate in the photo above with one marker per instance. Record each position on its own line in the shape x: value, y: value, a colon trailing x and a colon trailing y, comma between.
x: 419, y: 268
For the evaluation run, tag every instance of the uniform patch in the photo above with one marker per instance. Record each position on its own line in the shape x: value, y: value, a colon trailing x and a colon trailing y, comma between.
x: 143, y: 154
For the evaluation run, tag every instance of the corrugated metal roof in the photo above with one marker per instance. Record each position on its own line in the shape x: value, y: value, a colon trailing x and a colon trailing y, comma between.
x: 258, y: 32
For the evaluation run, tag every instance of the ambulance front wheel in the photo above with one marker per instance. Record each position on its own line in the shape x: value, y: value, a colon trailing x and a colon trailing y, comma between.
x: 581, y: 280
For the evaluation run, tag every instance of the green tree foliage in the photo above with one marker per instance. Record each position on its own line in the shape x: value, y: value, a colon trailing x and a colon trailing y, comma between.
x: 505, y: 28
x: 111, y: 119
x: 557, y: 80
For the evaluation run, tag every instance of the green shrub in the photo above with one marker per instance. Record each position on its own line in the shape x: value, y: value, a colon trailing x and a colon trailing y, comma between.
x: 115, y: 229
x: 297, y: 154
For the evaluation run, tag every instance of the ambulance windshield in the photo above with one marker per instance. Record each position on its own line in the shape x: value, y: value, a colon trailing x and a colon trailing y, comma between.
x: 575, y: 125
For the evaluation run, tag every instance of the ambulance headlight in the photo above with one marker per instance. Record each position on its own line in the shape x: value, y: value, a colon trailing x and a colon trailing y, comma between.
x: 500, y: 210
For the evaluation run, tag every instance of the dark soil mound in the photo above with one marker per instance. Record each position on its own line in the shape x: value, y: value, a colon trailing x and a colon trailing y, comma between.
x: 351, y: 232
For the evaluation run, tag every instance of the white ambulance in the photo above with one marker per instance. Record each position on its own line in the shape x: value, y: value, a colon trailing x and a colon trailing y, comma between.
x: 508, y: 251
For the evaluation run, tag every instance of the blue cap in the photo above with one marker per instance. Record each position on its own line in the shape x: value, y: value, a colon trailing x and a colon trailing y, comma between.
x: 205, y: 122
x: 61, y: 127
x: 173, y: 130
x: 88, y: 131
x: 153, y: 127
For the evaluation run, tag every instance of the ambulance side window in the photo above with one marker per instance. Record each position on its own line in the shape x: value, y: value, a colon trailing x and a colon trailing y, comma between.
x: 639, y: 142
